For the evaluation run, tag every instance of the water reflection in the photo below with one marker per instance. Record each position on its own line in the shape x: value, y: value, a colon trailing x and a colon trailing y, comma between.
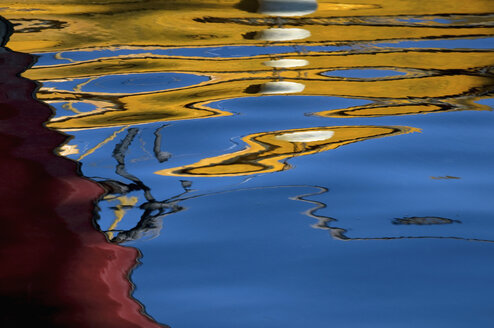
x: 436, y: 80
x: 424, y: 220
x: 232, y: 94
x: 267, y: 152
x: 150, y: 222
x: 301, y: 48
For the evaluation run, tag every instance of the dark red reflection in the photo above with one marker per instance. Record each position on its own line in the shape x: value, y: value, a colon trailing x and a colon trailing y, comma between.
x: 56, y: 269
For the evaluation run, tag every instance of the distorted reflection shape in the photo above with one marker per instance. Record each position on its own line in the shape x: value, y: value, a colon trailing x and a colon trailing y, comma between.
x: 436, y: 82
x: 69, y: 108
x: 282, y: 34
x: 337, y: 230
x: 427, y: 220
x: 185, y: 22
x: 281, y: 87
x: 267, y: 152
x: 306, y: 136
x: 450, y: 92
x: 286, y: 63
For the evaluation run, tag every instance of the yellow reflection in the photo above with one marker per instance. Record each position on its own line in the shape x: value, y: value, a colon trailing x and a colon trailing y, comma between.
x: 266, y: 152
x: 428, y: 77
x: 102, y: 143
x: 171, y: 22
x: 192, y: 102
x: 314, y: 63
x: 435, y: 80
x: 120, y: 211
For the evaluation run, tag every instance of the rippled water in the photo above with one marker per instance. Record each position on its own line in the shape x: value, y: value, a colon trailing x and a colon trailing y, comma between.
x: 282, y: 163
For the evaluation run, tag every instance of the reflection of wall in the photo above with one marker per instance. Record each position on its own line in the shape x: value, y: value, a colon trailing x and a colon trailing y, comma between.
x: 266, y: 152
x: 171, y: 22
x: 435, y: 81
x: 397, y: 97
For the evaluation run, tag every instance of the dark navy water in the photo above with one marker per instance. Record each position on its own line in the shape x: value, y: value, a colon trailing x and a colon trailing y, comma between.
x: 353, y: 188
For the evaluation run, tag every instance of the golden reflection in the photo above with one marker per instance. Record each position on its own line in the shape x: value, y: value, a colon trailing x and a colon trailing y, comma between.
x: 419, y: 62
x: 132, y: 35
x: 119, y: 211
x: 435, y: 81
x: 171, y: 22
x: 267, y: 152
x: 103, y: 38
x: 102, y: 143
x: 401, y: 96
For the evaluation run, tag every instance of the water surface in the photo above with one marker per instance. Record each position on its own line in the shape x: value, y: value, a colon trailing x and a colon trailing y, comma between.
x: 282, y: 164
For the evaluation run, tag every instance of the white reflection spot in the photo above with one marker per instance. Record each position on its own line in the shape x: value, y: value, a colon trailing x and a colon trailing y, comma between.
x: 281, y: 87
x: 307, y: 136
x: 286, y: 63
x: 283, y: 34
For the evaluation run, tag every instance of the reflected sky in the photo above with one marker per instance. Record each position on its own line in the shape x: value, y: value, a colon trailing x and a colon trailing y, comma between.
x: 364, y: 73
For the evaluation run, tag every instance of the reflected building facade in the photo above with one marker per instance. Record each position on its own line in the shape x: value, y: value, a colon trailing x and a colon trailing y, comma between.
x: 162, y: 95
x: 276, y: 48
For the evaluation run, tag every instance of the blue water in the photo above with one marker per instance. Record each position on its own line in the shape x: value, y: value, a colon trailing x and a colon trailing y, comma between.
x: 474, y: 43
x: 129, y: 83
x: 364, y: 73
x: 249, y: 256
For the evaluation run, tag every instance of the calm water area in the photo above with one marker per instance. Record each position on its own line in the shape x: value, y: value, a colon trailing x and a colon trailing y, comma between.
x: 282, y: 163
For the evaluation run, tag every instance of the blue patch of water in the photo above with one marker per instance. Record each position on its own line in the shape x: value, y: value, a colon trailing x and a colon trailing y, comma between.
x: 410, y: 20
x: 443, y: 20
x: 488, y: 102
x: 250, y: 257
x: 480, y: 43
x: 129, y: 83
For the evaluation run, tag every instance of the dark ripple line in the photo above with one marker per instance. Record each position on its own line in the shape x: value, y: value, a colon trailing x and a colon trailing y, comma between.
x: 339, y: 233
